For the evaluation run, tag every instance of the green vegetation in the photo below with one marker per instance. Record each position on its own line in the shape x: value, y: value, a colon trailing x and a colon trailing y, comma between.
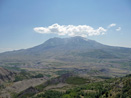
x: 104, y: 77
x: 15, y: 63
x: 13, y: 68
x: 76, y: 80
x: 112, y: 88
x: 21, y: 76
x: 60, y: 72
x: 23, y: 96
x: 26, y: 75
x: 38, y: 76
x: 50, y: 94
x: 47, y: 75
x: 2, y: 86
x: 126, y: 91
x: 40, y: 87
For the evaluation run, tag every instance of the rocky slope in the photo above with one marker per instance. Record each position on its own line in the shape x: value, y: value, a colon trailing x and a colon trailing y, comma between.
x: 6, y: 75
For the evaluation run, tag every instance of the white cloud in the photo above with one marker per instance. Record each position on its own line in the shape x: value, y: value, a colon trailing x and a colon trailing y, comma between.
x: 71, y: 30
x: 112, y: 25
x: 118, y: 29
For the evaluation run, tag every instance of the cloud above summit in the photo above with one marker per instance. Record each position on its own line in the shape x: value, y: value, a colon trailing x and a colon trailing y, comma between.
x: 71, y: 30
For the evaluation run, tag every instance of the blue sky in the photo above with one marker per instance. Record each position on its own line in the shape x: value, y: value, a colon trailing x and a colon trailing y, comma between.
x: 18, y: 18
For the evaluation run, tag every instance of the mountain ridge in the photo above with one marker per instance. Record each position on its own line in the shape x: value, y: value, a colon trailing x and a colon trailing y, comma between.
x: 64, y: 41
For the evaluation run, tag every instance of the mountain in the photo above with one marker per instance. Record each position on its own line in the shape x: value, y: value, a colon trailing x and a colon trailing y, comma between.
x: 66, y: 46
x: 70, y: 52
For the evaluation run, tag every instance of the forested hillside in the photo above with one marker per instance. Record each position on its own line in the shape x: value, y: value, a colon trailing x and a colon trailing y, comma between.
x: 109, y: 88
